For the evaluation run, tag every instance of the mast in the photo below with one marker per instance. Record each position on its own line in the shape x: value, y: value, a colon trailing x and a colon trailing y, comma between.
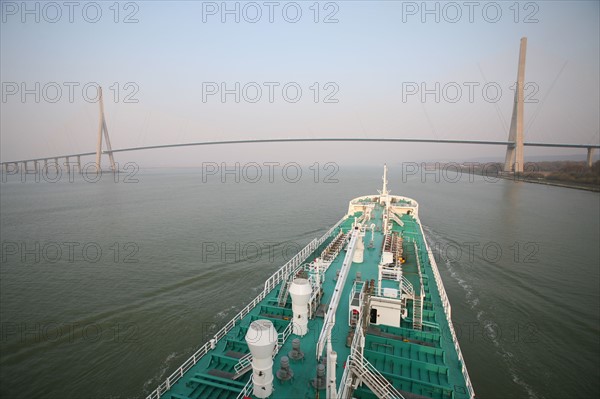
x: 384, y: 191
x: 385, y: 181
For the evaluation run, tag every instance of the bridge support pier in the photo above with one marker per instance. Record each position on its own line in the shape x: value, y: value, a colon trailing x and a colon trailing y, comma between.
x: 79, y: 164
x: 514, y: 152
x: 68, y: 165
x: 590, y: 157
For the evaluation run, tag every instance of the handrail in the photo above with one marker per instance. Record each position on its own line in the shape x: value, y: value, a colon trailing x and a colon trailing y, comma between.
x: 330, y: 315
x: 285, y: 289
x: 364, y: 370
x: 357, y: 339
x: 244, y: 362
x: 418, y: 300
x: 282, y: 337
x: 447, y: 311
x: 291, y: 264
x: 418, y: 268
x: 333, y: 249
x: 380, y: 293
x: 408, y: 286
x: 328, y: 233
x: 269, y: 285
x: 395, y: 218
x: 346, y: 382
x: 246, y: 391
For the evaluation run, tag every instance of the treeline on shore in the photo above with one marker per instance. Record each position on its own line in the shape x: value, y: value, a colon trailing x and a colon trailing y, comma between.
x: 554, y: 171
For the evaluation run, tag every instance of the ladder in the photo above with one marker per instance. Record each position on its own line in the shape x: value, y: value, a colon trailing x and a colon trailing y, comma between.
x: 417, y: 312
x: 418, y: 298
x: 369, y: 375
x: 284, y: 291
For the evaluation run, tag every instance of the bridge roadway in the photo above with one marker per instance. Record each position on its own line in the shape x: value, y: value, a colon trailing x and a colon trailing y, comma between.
x: 295, y: 140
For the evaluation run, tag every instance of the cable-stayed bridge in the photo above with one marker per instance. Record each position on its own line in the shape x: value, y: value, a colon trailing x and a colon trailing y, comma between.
x: 514, y: 160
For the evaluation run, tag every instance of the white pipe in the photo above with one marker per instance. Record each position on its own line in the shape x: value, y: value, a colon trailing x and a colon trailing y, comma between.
x: 331, y: 364
x: 329, y: 321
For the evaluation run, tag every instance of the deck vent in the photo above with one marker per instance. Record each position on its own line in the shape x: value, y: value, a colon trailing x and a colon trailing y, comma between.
x: 296, y: 353
x: 300, y: 291
x: 320, y: 382
x: 285, y: 372
x: 261, y: 339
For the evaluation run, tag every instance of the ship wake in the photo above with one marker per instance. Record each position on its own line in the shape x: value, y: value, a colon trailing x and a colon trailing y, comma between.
x: 437, y: 241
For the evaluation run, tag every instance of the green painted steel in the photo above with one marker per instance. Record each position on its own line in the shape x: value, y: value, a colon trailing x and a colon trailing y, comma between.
x: 424, y: 363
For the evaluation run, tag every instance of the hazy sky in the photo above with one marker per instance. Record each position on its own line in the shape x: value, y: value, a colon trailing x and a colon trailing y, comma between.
x: 373, y: 57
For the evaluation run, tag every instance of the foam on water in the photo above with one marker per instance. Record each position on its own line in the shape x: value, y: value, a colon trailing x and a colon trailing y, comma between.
x: 474, y: 303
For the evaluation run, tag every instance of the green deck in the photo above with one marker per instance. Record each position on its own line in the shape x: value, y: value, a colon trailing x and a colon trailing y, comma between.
x: 422, y: 363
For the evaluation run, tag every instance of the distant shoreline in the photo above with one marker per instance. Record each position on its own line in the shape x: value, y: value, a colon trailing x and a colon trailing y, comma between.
x: 567, y: 174
x: 595, y: 189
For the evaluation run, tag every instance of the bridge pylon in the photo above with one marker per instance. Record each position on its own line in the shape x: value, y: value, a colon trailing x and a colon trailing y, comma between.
x: 514, y: 152
x: 103, y: 130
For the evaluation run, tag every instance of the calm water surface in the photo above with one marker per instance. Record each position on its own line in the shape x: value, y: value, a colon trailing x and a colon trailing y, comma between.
x: 128, y: 280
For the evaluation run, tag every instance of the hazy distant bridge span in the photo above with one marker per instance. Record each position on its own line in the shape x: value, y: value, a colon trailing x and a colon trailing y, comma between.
x: 353, y: 139
x: 514, y: 160
x: 297, y: 140
x: 110, y: 152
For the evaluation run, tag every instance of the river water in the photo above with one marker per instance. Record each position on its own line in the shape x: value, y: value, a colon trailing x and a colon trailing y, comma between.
x: 107, y: 287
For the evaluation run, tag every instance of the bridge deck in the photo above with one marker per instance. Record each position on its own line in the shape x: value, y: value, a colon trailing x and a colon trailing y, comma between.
x: 325, y: 139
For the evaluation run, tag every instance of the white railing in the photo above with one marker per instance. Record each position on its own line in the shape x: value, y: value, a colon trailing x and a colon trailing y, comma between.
x: 355, y: 347
x: 432, y: 325
x: 390, y: 272
x: 381, y: 293
x: 397, y: 220
x: 356, y: 287
x: 331, y: 230
x: 333, y: 249
x: 283, y: 336
x: 418, y: 263
x: 330, y: 316
x: 368, y: 374
x: 408, y: 287
x: 247, y: 390
x: 357, y: 340
x: 447, y: 311
x: 282, y: 291
x: 285, y: 270
x: 418, y: 302
x: 346, y: 382
x: 243, y: 363
x: 315, y: 291
x: 269, y: 285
